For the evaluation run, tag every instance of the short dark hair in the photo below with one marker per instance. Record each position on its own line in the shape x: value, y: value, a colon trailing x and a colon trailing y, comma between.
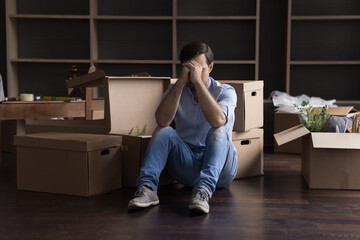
x: 194, y: 49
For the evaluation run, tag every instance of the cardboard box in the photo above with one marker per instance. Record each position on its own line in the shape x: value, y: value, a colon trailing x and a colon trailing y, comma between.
x: 129, y: 102
x: 249, y: 146
x: 329, y: 160
x: 283, y: 121
x: 68, y: 163
x: 249, y: 112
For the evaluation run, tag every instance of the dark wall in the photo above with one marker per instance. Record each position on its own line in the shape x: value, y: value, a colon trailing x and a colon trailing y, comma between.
x: 3, y: 43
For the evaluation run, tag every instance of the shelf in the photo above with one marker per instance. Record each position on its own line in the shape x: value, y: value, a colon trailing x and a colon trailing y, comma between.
x: 347, y: 102
x: 334, y: 81
x: 216, y: 8
x: 227, y: 42
x: 131, y: 61
x: 107, y: 17
x: 325, y: 7
x: 215, y: 18
x: 63, y: 7
x: 231, y: 62
x: 325, y: 40
x: 330, y: 17
x: 43, y: 16
x: 134, y: 8
x: 342, y: 62
x: 47, y: 60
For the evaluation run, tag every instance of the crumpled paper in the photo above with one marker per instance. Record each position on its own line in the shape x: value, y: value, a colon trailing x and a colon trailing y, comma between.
x: 285, y: 102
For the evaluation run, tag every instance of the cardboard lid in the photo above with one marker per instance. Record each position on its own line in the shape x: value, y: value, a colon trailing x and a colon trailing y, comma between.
x: 253, y: 133
x: 341, y: 111
x: 93, y: 79
x: 290, y: 134
x: 132, y: 101
x: 336, y: 140
x: 245, y: 85
x: 68, y: 141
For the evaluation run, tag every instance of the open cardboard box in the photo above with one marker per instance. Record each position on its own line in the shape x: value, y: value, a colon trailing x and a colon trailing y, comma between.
x: 129, y: 102
x: 329, y: 160
x: 249, y: 112
x: 285, y: 120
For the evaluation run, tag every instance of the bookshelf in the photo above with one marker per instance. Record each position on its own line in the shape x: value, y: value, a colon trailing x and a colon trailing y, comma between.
x: 323, y: 50
x: 45, y: 38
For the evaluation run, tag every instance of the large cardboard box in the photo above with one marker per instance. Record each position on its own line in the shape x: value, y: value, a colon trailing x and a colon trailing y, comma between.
x: 283, y: 121
x: 129, y: 102
x: 329, y: 160
x: 249, y: 146
x: 249, y: 112
x: 68, y: 163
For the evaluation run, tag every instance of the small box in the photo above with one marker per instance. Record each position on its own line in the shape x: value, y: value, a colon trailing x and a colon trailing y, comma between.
x: 283, y: 121
x: 249, y: 146
x: 68, y: 163
x: 329, y: 160
x: 249, y: 112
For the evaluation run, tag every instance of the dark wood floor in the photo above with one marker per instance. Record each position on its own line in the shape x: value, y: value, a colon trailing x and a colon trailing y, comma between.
x: 277, y: 205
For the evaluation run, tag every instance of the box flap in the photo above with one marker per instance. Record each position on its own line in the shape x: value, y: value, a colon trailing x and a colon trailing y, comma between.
x: 132, y: 101
x: 244, y: 85
x: 94, y: 79
x: 336, y: 140
x: 253, y: 133
x: 290, y: 134
x: 68, y: 141
x: 341, y: 111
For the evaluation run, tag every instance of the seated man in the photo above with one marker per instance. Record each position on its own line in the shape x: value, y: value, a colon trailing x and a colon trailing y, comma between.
x: 199, y: 153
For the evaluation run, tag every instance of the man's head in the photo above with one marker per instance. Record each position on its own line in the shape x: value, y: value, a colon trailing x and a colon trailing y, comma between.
x: 194, y: 49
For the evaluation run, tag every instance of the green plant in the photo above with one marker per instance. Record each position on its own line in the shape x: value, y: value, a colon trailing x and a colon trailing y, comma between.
x: 313, y: 118
x: 138, y: 132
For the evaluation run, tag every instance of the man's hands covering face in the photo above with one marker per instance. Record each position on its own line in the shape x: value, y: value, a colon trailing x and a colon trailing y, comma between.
x: 196, y: 72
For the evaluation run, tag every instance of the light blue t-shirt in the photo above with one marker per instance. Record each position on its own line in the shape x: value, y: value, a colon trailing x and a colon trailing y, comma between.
x: 191, y: 124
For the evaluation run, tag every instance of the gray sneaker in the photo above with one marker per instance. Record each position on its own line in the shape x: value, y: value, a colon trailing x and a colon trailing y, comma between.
x: 143, y: 197
x: 200, y: 201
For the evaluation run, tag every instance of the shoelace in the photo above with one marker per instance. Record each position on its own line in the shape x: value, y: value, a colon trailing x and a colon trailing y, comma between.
x: 139, y: 192
x: 203, y: 195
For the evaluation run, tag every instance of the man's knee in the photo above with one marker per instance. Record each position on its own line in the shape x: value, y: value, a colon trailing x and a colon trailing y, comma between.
x: 164, y: 132
x: 217, y: 134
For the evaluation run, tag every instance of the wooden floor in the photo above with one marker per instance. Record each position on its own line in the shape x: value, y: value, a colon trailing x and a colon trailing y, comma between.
x: 277, y: 206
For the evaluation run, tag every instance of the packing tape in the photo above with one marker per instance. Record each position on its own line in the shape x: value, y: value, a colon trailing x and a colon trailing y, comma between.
x: 27, y: 97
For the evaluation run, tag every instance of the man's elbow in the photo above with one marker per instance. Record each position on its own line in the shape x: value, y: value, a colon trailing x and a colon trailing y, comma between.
x: 160, y: 122
x: 219, y: 122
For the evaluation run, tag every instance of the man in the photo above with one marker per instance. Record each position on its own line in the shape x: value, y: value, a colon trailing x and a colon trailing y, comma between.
x: 199, y: 153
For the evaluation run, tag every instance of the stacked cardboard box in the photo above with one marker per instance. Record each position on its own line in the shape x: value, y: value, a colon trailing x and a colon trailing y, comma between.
x: 128, y: 105
x: 248, y: 134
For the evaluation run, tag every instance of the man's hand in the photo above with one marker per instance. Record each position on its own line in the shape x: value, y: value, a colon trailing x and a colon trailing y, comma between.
x: 184, y: 75
x: 196, y: 71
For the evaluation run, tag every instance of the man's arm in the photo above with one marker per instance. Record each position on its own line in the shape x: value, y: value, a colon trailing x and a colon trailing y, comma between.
x: 168, y: 107
x: 211, y: 109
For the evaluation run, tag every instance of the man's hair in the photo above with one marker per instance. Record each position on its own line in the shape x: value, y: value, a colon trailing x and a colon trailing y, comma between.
x: 194, y: 49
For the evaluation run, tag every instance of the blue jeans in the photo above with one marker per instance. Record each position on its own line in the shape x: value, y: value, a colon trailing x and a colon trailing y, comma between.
x: 208, y: 167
